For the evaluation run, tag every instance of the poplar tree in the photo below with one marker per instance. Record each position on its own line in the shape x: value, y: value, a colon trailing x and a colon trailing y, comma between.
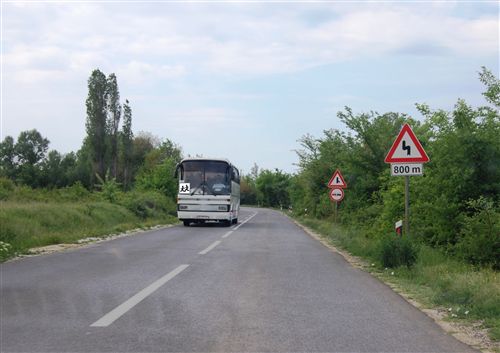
x: 127, y: 142
x: 96, y: 120
x: 114, y: 115
x: 7, y: 157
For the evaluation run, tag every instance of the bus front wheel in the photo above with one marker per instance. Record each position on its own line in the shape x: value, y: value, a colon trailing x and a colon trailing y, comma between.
x: 186, y: 223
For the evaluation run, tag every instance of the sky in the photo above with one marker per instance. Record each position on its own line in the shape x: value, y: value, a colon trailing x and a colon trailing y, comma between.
x: 240, y: 80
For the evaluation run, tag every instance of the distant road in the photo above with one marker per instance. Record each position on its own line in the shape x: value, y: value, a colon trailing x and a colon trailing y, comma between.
x: 263, y: 285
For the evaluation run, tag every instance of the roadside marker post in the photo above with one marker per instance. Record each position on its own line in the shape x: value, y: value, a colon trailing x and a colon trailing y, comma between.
x: 406, y: 157
x: 336, y: 185
x: 398, y: 227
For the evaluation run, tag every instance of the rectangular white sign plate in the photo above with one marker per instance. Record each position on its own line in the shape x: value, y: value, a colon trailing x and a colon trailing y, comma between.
x: 407, y: 169
x: 184, y: 188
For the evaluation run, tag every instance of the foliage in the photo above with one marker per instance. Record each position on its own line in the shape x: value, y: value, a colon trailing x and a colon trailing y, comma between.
x: 464, y: 149
x: 248, y: 187
x: 38, y: 217
x: 96, y: 119
x: 434, y: 278
x: 157, y: 172
x: 272, y: 188
x: 109, y: 188
x: 126, y: 138
x: 248, y: 190
x: 480, y: 236
x: 147, y: 204
x: 113, y: 120
x: 397, y: 251
x: 7, y: 158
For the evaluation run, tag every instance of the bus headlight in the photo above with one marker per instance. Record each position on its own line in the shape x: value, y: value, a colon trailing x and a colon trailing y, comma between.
x: 183, y: 207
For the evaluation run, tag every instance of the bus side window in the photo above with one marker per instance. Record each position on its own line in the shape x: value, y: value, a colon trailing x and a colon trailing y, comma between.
x: 236, y: 175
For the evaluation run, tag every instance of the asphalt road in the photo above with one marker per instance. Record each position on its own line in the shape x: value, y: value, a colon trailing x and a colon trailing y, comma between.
x: 263, y: 285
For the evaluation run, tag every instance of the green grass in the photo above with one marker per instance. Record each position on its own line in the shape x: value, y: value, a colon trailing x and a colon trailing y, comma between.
x: 435, y: 280
x: 25, y: 225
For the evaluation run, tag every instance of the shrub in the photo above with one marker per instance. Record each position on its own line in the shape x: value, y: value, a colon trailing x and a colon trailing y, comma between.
x: 146, y: 204
x: 5, y: 249
x: 109, y: 187
x: 397, y: 251
x: 75, y: 192
x: 480, y: 236
x: 6, y: 188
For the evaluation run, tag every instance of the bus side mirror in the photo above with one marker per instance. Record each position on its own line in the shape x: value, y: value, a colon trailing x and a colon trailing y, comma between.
x: 176, y: 173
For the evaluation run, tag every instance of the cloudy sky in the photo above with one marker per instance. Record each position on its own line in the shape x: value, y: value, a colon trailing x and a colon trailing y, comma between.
x: 242, y: 80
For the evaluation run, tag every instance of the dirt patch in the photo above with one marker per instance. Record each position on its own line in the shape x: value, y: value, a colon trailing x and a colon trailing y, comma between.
x: 472, y: 334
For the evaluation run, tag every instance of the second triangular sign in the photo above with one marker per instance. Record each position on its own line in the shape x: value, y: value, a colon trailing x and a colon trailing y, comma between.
x: 337, y: 181
x: 406, y: 148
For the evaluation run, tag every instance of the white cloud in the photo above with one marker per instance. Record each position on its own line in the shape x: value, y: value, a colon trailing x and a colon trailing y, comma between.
x: 136, y: 72
x: 162, y: 48
x: 176, y: 39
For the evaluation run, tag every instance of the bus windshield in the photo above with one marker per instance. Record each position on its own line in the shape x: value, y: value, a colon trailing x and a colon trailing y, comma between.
x: 207, y: 177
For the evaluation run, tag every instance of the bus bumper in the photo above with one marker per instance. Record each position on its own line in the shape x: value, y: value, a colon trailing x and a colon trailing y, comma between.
x: 203, y: 216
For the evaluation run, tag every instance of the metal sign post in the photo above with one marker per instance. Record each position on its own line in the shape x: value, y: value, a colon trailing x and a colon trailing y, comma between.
x: 336, y: 205
x: 407, y: 205
x: 406, y: 157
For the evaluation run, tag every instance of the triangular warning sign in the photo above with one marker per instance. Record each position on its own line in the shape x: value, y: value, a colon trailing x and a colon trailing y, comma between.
x: 406, y: 148
x: 337, y: 181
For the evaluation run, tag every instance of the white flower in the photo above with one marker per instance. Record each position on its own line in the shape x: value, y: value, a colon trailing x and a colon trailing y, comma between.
x: 392, y: 273
x: 467, y: 312
x: 449, y: 309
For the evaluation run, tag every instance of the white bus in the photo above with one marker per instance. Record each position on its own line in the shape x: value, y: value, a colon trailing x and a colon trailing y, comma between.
x: 209, y: 190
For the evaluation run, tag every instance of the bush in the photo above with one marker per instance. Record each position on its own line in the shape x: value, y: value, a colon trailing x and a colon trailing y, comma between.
x: 146, y: 204
x: 6, y: 188
x: 480, y: 236
x: 397, y: 251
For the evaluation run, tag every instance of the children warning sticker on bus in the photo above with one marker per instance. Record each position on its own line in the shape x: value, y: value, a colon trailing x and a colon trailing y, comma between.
x: 184, y: 188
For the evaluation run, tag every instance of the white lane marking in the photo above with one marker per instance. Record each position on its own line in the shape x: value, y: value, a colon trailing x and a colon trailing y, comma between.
x: 213, y: 245
x: 121, y: 309
x: 227, y: 234
x: 246, y: 220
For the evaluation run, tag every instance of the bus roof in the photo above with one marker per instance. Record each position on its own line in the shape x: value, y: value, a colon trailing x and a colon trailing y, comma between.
x: 206, y: 159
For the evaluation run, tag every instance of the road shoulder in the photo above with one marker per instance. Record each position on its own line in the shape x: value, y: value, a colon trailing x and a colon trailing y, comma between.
x: 471, y: 335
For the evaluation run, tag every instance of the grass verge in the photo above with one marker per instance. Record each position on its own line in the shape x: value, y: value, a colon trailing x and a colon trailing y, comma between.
x: 26, y: 225
x: 469, y: 294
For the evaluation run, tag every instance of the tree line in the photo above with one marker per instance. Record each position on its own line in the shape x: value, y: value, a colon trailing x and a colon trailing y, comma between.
x: 109, y: 151
x: 454, y: 206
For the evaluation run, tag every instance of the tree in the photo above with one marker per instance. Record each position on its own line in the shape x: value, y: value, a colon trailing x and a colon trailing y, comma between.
x: 142, y: 144
x: 157, y: 171
x: 52, y: 175
x: 492, y: 84
x: 114, y: 115
x: 248, y: 190
x: 68, y: 167
x: 127, y: 143
x: 272, y: 188
x: 30, y: 149
x: 7, y: 158
x: 96, y: 120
